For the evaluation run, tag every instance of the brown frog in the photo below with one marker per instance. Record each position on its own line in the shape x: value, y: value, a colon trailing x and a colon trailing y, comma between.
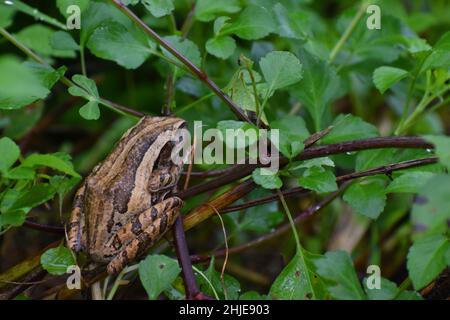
x: 125, y: 204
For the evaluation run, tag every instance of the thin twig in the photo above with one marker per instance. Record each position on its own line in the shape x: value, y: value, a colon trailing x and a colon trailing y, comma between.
x: 188, y: 22
x: 350, y: 28
x: 196, y: 71
x: 43, y: 227
x: 299, y: 190
x: 266, y: 199
x: 224, y: 265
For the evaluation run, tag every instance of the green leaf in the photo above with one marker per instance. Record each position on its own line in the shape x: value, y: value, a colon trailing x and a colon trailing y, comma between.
x: 320, y: 85
x: 289, y: 26
x: 349, y: 127
x: 6, y: 15
x: 11, y: 217
x: 387, y: 291
x: 385, y: 77
x: 234, y: 140
x: 431, y: 210
x: 157, y: 272
x: 113, y: 41
x: 242, y: 93
x: 321, y: 180
x: 298, y: 280
x: 439, y: 57
x: 253, y: 23
x: 64, y: 4
x: 159, y: 8
x: 57, y: 260
x: 416, y: 45
x: 219, y: 23
x: 409, y: 295
x: 266, y: 178
x: 292, y: 133
x: 370, y: 45
x: 367, y: 197
x: 442, y: 144
x: 31, y: 198
x: 207, y: 10
x: 186, y: 47
x: 427, y: 259
x: 87, y: 89
x: 369, y: 159
x: 38, y: 37
x: 20, y: 173
x: 19, y: 86
x: 54, y: 161
x: 443, y: 43
x: 62, y: 40
x: 280, y: 69
x: 341, y: 281
x: 227, y: 289
x: 252, y: 295
x: 46, y: 74
x: 90, y: 111
x: 10, y: 153
x: 97, y: 13
x: 88, y: 85
x: 263, y: 218
x: 409, y: 182
x: 317, y: 162
x: 63, y: 185
x: 221, y: 47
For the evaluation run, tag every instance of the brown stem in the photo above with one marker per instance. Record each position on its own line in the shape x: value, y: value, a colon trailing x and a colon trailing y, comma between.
x: 189, y: 64
x: 35, y: 275
x: 123, y: 109
x: 311, y: 153
x: 298, y: 190
x: 182, y: 250
x: 43, y: 227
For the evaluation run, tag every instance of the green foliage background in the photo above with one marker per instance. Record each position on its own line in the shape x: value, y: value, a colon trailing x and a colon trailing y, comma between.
x: 297, y: 66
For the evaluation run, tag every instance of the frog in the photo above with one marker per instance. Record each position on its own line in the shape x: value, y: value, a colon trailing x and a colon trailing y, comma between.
x: 127, y: 203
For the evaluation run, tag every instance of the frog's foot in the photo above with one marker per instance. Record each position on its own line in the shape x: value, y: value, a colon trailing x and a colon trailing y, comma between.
x: 140, y: 233
x: 164, y: 178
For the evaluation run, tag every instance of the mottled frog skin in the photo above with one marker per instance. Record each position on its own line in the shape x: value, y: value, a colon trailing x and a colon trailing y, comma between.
x: 125, y: 204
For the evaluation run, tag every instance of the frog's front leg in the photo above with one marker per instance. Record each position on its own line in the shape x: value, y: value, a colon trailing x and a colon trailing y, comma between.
x: 76, y: 237
x: 141, y: 232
